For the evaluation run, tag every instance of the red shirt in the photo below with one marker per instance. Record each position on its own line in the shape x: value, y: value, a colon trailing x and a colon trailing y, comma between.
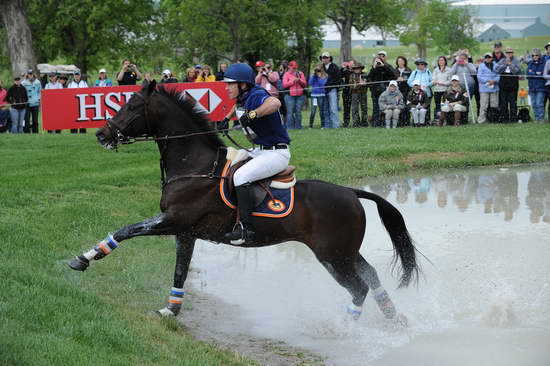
x: 3, y: 93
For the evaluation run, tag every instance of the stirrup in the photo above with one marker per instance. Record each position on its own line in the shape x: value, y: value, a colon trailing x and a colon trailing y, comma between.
x: 240, y: 235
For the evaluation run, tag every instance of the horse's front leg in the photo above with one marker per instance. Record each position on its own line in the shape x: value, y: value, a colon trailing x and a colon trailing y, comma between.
x: 185, y: 245
x: 158, y: 225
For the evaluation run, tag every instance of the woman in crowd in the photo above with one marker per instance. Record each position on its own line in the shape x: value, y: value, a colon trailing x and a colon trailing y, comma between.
x: 465, y: 71
x: 441, y: 81
x: 391, y: 102
x: 221, y: 71
x: 402, y: 72
x: 455, y: 101
x: 537, y: 90
x: 295, y: 82
x: 317, y: 82
x: 379, y: 73
x: 190, y: 75
x: 418, y: 102
x: 103, y: 80
x: 4, y: 109
x: 267, y: 78
x: 205, y: 74
x: 17, y: 97
x: 424, y: 76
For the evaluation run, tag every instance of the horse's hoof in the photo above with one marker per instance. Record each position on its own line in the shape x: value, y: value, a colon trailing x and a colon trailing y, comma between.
x: 163, y: 313
x: 79, y: 263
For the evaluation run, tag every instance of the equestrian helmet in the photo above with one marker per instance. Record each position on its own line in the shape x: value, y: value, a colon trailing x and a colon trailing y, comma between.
x: 239, y: 73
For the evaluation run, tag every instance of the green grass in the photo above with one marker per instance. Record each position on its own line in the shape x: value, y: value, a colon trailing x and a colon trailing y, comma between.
x: 62, y: 193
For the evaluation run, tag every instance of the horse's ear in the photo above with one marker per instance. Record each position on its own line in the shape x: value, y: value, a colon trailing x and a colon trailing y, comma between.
x: 150, y: 87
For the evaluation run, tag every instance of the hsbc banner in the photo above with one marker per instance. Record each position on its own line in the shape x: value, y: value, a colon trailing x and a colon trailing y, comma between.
x: 92, y: 107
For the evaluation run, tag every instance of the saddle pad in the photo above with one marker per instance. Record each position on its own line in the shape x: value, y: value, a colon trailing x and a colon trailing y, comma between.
x: 282, y: 205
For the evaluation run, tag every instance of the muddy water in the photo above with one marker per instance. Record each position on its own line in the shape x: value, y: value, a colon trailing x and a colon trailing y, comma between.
x: 484, y: 301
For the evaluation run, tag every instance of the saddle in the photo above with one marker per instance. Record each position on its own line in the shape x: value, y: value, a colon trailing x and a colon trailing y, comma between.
x: 260, y: 189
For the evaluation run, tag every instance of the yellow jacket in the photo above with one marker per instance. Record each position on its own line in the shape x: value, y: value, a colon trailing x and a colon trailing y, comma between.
x: 208, y: 78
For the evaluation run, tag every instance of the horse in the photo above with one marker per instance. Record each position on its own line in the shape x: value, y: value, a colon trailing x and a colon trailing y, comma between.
x: 326, y: 217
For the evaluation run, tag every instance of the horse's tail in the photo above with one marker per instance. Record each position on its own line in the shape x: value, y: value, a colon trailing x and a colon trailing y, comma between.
x: 395, y: 226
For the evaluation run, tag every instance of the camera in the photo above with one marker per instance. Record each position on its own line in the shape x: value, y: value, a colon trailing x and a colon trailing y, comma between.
x: 378, y: 63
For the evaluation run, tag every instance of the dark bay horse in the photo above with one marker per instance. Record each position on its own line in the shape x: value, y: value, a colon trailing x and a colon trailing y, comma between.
x: 328, y: 218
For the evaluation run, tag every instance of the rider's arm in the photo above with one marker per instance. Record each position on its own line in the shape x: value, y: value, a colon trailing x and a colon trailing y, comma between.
x: 271, y: 105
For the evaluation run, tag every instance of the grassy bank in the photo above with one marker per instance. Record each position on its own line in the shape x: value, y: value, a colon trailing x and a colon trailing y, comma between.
x: 61, y: 194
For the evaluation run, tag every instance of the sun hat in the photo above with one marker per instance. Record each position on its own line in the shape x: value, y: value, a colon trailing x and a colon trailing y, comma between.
x: 393, y: 82
x: 455, y: 77
x: 416, y: 82
x: 536, y: 51
x: 166, y: 72
x: 488, y: 54
x: 419, y: 61
x: 102, y: 70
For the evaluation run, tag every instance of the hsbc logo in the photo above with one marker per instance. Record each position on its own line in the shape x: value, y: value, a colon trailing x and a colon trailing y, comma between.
x: 205, y: 99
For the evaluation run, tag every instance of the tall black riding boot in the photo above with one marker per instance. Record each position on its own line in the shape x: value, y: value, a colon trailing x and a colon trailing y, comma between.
x: 243, y: 231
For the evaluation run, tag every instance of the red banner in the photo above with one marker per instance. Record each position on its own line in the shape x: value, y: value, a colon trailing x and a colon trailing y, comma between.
x: 91, y: 107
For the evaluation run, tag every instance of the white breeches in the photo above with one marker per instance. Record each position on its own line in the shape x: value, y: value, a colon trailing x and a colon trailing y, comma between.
x: 264, y: 164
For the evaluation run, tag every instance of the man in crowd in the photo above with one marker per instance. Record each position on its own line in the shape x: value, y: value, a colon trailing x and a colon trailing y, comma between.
x: 128, y: 74
x: 497, y: 52
x: 33, y: 87
x: 537, y: 91
x: 17, y: 97
x: 488, y: 86
x: 221, y: 71
x: 53, y: 83
x: 167, y: 77
x: 77, y: 83
x: 333, y: 80
x: 509, y: 70
x: 545, y: 59
x: 346, y: 71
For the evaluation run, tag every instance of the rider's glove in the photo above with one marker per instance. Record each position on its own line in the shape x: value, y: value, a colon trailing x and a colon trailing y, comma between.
x: 223, y: 125
x: 246, y: 119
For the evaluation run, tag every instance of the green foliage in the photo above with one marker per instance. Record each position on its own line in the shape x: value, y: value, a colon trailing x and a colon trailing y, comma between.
x: 87, y: 31
x: 435, y: 23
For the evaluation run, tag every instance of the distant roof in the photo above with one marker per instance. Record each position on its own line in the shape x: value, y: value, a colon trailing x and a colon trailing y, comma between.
x: 332, y: 34
x: 501, y: 2
x: 514, y: 25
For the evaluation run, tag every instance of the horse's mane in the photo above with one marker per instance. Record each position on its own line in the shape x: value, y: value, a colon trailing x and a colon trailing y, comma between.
x: 199, y: 120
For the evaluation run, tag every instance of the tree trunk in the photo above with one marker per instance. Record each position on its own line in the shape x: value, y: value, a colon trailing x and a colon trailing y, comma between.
x: 345, y: 40
x: 422, y: 51
x: 19, y: 36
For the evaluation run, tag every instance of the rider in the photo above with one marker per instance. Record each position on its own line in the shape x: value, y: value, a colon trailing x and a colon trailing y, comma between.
x: 260, y: 113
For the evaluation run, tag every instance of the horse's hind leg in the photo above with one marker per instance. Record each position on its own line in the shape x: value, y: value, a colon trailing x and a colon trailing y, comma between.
x: 184, y: 251
x: 346, y: 274
x: 158, y: 225
x: 369, y: 275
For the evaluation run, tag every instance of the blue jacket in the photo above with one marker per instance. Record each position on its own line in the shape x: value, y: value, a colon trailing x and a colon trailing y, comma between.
x: 484, y: 74
x: 425, y: 80
x: 534, y: 75
x: 318, y: 86
x: 33, y: 91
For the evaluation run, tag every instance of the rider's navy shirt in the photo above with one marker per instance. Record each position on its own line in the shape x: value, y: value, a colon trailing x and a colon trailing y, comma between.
x: 269, y: 129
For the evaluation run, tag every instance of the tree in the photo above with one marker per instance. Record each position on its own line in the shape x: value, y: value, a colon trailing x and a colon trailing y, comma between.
x: 19, y: 36
x: 362, y: 15
x: 435, y: 23
x: 86, y: 31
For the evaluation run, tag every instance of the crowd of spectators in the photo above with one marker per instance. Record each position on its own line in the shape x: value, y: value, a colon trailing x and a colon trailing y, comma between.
x: 400, y: 96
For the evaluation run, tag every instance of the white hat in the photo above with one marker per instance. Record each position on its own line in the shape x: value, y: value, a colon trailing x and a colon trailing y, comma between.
x: 455, y: 77
x: 416, y: 82
x: 393, y: 82
x: 325, y: 54
x: 166, y: 72
x: 382, y: 52
x: 102, y: 70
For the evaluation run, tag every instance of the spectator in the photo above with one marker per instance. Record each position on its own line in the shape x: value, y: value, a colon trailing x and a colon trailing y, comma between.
x: 497, y: 52
x: 546, y: 76
x: 190, y: 75
x: 33, y: 87
x: 168, y: 78
x: 53, y: 84
x: 205, y: 75
x: 221, y: 71
x: 317, y: 82
x: 402, y: 73
x: 282, y: 91
x: 77, y: 83
x: 103, y: 80
x: 418, y: 101
x: 63, y: 81
x: 295, y: 81
x: 510, y: 68
x: 4, y: 109
x: 465, y: 71
x: 267, y: 78
x: 128, y: 74
x: 441, y: 82
x: 346, y: 72
x: 537, y: 91
x: 383, y: 56
x: 147, y: 78
x: 391, y: 102
x: 378, y: 76
x: 358, y: 81
x: 334, y: 77
x: 455, y: 100
x: 17, y: 97
x: 424, y: 75
x: 545, y: 59
x: 488, y: 86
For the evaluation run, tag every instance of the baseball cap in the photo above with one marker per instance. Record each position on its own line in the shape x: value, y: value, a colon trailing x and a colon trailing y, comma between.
x: 29, y: 71
x: 166, y: 72
x: 325, y: 54
x: 536, y: 51
x: 455, y: 77
x: 198, y: 66
x: 509, y: 50
x: 382, y: 52
x: 416, y: 82
x: 488, y: 54
x: 393, y: 82
x: 260, y: 63
x: 17, y: 78
x: 102, y: 70
x: 77, y: 72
